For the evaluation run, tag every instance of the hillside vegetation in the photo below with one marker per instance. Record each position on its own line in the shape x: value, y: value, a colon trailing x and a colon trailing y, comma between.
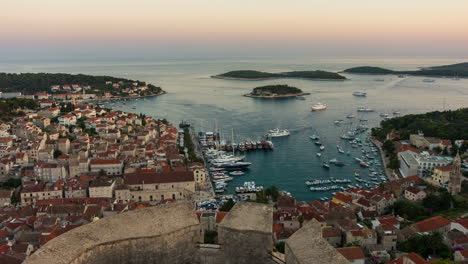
x: 249, y: 74
x: 460, y: 70
x: 452, y: 125
x: 281, y: 89
x: 31, y: 83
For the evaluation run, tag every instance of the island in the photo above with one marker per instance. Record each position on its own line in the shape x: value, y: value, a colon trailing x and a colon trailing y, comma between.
x: 276, y: 91
x: 74, y: 86
x: 453, y: 70
x: 258, y: 75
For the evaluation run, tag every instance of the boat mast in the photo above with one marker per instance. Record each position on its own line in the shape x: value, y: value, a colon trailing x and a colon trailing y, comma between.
x: 232, y: 142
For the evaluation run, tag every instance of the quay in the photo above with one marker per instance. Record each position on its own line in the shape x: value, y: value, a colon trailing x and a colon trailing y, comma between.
x: 388, y: 172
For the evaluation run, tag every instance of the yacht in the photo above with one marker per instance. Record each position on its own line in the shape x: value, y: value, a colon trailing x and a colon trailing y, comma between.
x: 360, y: 94
x: 365, y: 109
x: 319, y: 106
x: 278, y: 133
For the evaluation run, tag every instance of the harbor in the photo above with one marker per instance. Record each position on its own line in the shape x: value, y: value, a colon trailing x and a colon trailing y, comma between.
x: 205, y: 101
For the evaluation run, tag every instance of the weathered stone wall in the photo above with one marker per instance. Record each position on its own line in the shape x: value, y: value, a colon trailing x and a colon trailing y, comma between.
x: 245, y: 234
x: 162, y: 234
x: 307, y: 246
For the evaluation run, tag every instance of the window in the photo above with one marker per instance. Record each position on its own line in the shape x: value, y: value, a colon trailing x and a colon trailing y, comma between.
x: 151, y: 197
x: 156, y: 187
x: 173, y: 196
x: 162, y: 197
x: 172, y: 186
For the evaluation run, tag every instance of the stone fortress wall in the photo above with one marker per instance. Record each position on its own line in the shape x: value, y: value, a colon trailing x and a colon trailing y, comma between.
x: 171, y: 233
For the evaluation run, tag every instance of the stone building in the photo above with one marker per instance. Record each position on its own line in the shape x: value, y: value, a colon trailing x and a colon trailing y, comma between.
x: 153, y: 186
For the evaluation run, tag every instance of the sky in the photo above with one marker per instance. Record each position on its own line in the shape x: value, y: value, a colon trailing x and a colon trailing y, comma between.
x: 35, y: 28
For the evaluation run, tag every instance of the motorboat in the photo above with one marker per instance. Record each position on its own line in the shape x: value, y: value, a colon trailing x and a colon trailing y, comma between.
x: 319, y: 154
x: 236, y: 173
x: 428, y: 80
x: 360, y: 94
x: 322, y: 147
x: 278, y: 132
x: 365, y: 109
x: 314, y: 137
x: 319, y: 106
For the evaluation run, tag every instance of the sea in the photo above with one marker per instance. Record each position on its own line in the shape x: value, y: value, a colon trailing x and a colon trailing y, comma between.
x: 215, y: 104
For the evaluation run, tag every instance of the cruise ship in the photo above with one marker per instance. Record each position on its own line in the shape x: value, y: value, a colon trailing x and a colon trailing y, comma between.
x: 278, y: 133
x: 319, y: 106
x: 360, y: 94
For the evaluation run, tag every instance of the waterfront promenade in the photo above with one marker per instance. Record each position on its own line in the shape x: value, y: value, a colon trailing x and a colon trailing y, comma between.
x: 388, y: 172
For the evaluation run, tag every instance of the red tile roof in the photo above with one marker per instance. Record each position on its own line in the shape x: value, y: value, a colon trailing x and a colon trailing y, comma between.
x: 462, y: 221
x: 344, y: 198
x: 351, y: 253
x: 444, y: 168
x: 416, y: 258
x: 431, y: 224
x: 105, y: 161
x: 164, y: 177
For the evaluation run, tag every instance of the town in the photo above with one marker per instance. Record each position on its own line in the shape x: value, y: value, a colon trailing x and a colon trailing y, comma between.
x: 66, y: 163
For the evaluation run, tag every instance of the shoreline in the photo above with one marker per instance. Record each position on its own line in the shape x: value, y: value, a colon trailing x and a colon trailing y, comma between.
x: 124, y: 97
x: 389, y: 173
x: 272, y: 78
x: 275, y: 96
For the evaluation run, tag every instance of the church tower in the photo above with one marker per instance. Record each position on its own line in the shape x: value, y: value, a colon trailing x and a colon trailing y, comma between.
x: 456, y: 176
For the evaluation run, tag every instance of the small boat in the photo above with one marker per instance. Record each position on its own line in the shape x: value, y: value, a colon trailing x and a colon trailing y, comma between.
x: 428, y: 80
x: 350, y: 116
x: 339, y: 163
x: 322, y: 147
x: 319, y: 154
x: 319, y: 106
x: 360, y: 94
x: 236, y: 173
x: 364, y: 165
x: 314, y: 137
x: 341, y: 151
x: 318, y: 143
x: 337, y: 122
x: 379, y: 80
x: 356, y: 173
x: 326, y: 165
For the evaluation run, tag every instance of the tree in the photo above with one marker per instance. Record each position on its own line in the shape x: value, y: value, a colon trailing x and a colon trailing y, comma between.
x: 14, y: 199
x: 280, y: 246
x: 425, y: 245
x: 227, y: 206
x: 57, y: 153
x: 273, y: 192
x: 410, y: 210
x: 437, y: 203
x: 394, y: 163
x: 102, y: 173
x: 389, y: 147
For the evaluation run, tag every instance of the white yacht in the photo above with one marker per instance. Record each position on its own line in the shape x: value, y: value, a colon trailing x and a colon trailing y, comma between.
x: 278, y: 132
x: 365, y: 109
x: 319, y: 106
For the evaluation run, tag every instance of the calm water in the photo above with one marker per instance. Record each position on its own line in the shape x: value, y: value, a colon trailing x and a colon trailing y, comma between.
x: 209, y: 103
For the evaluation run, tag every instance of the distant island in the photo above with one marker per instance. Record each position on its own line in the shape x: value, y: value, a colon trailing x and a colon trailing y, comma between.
x: 453, y: 70
x: 276, y: 91
x: 75, y: 84
x: 258, y: 75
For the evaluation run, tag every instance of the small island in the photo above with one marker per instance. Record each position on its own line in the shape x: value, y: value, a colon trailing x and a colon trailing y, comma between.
x: 258, y: 75
x: 453, y: 70
x: 276, y: 91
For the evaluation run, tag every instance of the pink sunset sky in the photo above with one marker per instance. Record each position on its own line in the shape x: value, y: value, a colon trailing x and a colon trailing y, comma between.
x: 427, y: 25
